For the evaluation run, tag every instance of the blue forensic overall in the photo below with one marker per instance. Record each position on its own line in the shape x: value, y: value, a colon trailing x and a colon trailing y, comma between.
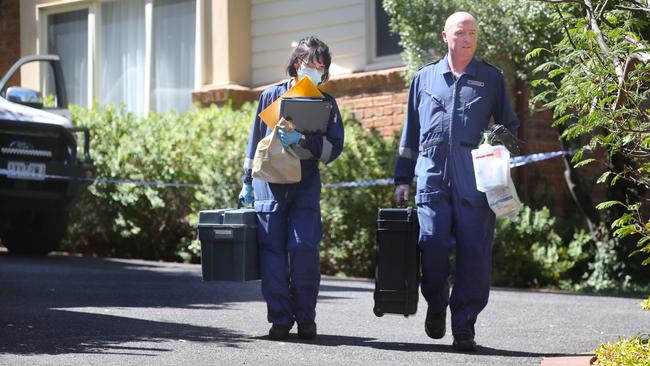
x: 289, y: 222
x: 445, y: 118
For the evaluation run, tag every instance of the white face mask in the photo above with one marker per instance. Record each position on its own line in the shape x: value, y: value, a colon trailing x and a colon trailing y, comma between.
x: 315, y: 75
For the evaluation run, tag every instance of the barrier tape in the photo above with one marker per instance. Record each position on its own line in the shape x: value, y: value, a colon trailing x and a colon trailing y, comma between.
x: 516, y: 161
x: 28, y: 176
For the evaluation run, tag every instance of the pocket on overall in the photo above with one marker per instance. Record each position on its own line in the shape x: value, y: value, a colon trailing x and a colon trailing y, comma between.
x: 466, y: 182
x: 432, y: 112
x: 430, y: 168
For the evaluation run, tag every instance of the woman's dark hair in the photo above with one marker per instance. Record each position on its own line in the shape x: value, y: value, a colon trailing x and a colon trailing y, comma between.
x: 310, y: 48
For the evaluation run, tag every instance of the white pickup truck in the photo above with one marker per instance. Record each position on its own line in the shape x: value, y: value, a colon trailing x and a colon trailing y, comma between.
x: 42, y: 171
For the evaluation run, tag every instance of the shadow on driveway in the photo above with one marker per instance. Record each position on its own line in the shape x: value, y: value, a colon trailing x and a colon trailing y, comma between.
x: 35, y: 293
x: 327, y: 340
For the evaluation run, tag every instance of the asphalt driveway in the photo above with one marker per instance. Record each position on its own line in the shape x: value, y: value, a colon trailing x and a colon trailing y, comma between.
x: 62, y: 310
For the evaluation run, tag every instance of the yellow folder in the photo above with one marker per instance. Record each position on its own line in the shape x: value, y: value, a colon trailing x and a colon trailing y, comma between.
x: 303, y: 88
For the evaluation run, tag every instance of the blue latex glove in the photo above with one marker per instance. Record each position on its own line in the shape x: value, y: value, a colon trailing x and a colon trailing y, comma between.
x: 246, y: 195
x: 289, y: 138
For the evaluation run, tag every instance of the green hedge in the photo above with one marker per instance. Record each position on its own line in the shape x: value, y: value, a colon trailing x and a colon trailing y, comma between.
x: 203, y: 146
x: 528, y: 252
x: 350, y: 214
x: 206, y: 147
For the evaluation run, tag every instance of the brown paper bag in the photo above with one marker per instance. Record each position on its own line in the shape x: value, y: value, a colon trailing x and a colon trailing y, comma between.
x: 272, y: 162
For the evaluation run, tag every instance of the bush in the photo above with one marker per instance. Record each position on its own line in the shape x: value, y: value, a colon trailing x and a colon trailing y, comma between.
x: 126, y: 220
x: 528, y: 252
x: 634, y: 351
x: 350, y: 214
x: 206, y: 147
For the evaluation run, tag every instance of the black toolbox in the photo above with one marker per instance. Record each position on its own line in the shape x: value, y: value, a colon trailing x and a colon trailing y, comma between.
x: 229, y: 245
x: 397, y: 275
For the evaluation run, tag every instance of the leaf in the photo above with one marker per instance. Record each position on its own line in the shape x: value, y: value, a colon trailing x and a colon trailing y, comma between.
x: 607, y: 204
x: 535, y: 53
x: 603, y: 177
x: 584, y: 162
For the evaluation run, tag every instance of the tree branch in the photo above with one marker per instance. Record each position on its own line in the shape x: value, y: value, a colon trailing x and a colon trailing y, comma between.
x: 562, y: 2
x: 630, y: 65
x: 601, y: 40
x: 602, y: 10
x: 633, y: 8
x: 566, y: 30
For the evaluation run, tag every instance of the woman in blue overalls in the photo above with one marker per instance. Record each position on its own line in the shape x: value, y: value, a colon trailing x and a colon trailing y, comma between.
x: 288, y: 215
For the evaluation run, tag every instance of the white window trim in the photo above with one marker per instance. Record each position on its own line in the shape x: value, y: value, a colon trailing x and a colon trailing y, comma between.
x: 375, y: 62
x: 148, y: 53
x: 44, y: 11
x: 94, y: 42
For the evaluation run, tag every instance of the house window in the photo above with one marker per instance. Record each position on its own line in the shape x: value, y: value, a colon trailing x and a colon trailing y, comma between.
x: 142, y: 52
x: 68, y: 37
x: 386, y: 42
x: 173, y: 50
x: 122, y: 56
x: 383, y: 48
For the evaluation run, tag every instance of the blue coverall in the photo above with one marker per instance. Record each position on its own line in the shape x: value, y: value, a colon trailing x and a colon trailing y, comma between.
x: 445, y: 118
x: 289, y: 222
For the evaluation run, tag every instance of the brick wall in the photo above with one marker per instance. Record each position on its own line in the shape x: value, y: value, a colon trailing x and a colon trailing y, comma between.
x: 377, y: 99
x: 10, y: 39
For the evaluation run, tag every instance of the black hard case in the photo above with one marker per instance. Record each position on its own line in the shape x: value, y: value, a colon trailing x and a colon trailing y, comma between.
x: 229, y: 245
x: 397, y: 275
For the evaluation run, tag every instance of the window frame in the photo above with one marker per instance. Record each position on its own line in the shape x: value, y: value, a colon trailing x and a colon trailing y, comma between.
x: 43, y: 11
x: 375, y: 62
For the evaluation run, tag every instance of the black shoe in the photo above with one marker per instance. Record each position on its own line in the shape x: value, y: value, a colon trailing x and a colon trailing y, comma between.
x: 464, y: 344
x: 307, y: 331
x: 279, y: 332
x: 435, y: 326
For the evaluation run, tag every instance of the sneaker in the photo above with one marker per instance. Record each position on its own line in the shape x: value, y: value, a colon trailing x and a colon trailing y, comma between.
x: 279, y: 332
x: 307, y: 331
x: 435, y: 325
x: 464, y: 344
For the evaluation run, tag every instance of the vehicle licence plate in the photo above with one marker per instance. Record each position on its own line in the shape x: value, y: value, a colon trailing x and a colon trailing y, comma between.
x: 23, y: 170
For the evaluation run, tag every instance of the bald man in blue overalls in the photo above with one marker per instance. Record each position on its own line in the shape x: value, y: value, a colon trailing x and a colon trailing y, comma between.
x: 451, y: 102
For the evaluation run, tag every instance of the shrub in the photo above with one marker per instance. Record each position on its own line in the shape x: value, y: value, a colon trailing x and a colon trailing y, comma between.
x: 528, y: 252
x: 206, y: 147
x: 633, y: 351
x: 350, y: 214
x: 200, y: 146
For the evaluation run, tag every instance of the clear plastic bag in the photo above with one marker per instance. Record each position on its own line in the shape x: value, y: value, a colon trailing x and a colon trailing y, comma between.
x: 491, y: 167
x: 504, y: 201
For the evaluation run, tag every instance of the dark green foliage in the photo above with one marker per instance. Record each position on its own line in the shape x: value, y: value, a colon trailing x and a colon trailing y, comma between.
x: 350, y: 214
x: 206, y: 146
x: 596, y: 82
x: 508, y: 29
x: 528, y: 252
x: 201, y: 146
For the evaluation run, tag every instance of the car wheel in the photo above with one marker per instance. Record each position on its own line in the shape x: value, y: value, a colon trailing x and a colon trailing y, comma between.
x: 34, y: 233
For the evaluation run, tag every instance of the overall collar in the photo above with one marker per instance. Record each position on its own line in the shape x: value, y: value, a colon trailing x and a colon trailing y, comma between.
x: 470, y: 70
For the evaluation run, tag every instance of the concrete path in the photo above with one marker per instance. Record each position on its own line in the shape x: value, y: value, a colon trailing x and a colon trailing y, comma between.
x: 62, y: 310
